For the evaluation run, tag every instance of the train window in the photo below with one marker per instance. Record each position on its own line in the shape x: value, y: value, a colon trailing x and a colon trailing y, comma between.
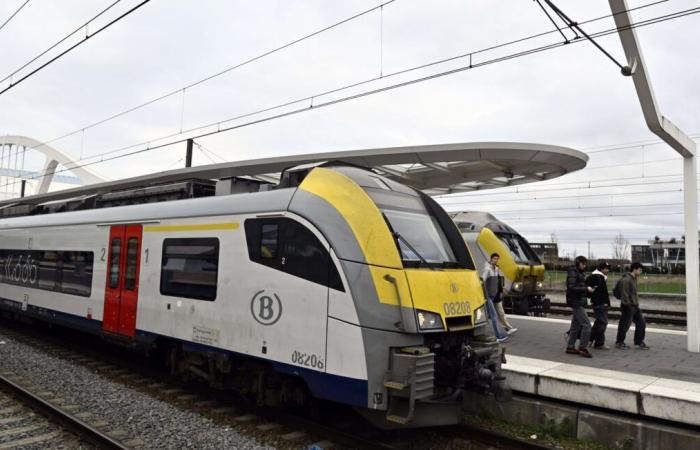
x: 298, y: 251
x: 49, y: 270
x: 268, y: 240
x: 419, y: 235
x: 115, y: 258
x: 190, y: 268
x: 132, y: 248
x: 76, y: 273
x: 69, y: 272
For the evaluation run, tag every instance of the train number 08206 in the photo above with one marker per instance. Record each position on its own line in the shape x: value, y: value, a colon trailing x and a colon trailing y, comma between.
x: 305, y: 359
x: 456, y: 308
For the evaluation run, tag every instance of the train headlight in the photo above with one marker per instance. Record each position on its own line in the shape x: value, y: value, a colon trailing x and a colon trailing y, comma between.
x: 539, y: 285
x: 517, y: 287
x: 480, y: 315
x: 428, y: 320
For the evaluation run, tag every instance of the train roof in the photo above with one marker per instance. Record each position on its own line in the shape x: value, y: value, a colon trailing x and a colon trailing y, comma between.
x: 476, y: 220
x: 434, y: 169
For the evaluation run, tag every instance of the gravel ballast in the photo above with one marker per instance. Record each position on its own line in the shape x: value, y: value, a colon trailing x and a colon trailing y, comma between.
x: 158, y: 424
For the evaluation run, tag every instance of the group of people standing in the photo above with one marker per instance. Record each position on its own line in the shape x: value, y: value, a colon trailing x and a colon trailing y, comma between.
x: 580, y: 288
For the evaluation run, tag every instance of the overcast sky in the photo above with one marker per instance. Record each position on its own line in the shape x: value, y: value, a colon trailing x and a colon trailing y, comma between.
x: 571, y: 96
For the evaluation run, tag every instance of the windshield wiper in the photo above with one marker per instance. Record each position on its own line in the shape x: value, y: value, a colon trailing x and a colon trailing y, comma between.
x: 413, y: 249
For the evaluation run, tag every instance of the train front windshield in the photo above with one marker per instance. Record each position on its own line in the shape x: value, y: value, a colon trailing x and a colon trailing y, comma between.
x: 420, y: 236
x: 519, y: 248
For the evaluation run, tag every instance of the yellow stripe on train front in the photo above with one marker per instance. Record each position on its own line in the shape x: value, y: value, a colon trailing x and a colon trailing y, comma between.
x: 370, y: 230
x: 192, y: 227
x: 360, y: 212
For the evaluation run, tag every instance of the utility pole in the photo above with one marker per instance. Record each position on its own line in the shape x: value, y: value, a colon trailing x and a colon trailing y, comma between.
x: 679, y: 141
x: 589, y: 250
x: 188, y: 155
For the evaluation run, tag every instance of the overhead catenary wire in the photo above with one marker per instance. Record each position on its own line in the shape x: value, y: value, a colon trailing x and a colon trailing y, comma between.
x: 308, y: 107
x: 14, y: 14
x: 215, y: 75
x: 301, y: 39
x: 575, y: 26
x: 72, y: 47
x: 15, y: 72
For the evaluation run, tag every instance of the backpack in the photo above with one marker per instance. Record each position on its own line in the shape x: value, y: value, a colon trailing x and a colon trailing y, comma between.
x: 617, y: 290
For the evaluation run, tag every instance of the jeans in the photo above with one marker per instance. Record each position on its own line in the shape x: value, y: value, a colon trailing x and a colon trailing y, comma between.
x: 493, y: 316
x: 579, y: 324
x: 629, y: 314
x: 601, y: 323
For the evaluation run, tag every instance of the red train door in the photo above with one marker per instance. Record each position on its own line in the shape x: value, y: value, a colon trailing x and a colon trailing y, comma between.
x: 122, y: 287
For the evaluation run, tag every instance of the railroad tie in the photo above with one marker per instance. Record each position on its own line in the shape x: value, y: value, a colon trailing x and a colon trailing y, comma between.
x: 30, y: 440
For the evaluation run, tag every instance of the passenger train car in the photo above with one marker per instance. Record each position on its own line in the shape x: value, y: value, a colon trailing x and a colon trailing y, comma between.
x: 337, y: 284
x: 523, y: 272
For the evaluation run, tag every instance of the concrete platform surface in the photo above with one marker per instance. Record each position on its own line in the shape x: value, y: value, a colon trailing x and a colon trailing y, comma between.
x: 663, y: 382
x: 545, y: 338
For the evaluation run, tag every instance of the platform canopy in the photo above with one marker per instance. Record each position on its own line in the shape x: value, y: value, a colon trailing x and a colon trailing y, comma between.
x: 434, y: 169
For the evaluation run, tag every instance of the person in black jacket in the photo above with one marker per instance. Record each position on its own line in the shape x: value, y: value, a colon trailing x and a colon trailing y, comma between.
x: 576, y: 297
x: 600, y: 298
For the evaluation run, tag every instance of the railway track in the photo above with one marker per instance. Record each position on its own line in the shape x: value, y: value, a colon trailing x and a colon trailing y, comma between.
x: 281, y: 429
x: 27, y: 419
x: 677, y: 318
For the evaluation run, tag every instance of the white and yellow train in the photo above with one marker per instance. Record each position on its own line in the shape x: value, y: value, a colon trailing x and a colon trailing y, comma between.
x: 337, y: 283
x: 522, y: 270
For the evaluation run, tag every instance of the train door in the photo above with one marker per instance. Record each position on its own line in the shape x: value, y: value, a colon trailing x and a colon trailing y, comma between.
x: 121, y: 291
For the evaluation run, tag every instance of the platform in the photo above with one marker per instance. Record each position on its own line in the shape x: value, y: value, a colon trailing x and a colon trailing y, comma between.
x: 662, y: 383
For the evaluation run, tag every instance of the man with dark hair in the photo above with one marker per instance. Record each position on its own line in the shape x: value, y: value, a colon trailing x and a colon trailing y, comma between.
x: 576, y: 298
x: 493, y: 287
x: 600, y: 299
x: 630, y: 312
x: 492, y: 274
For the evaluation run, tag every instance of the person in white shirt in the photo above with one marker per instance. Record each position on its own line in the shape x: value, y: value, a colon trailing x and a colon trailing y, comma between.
x: 493, y: 284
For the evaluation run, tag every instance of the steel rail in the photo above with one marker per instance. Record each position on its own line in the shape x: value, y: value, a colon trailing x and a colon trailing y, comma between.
x: 651, y: 316
x: 61, y: 417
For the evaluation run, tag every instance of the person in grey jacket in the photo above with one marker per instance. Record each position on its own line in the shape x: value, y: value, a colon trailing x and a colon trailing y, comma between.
x: 491, y: 275
x: 492, y: 290
x: 630, y: 311
x: 576, y: 297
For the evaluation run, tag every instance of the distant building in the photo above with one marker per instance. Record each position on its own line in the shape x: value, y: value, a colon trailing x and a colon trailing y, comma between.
x: 659, y: 253
x: 548, y: 252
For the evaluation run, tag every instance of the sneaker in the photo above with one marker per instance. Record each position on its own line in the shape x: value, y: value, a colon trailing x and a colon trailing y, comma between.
x: 601, y: 347
x: 622, y: 346
x: 584, y: 352
x: 502, y: 340
x: 642, y: 346
x: 572, y: 351
x: 511, y: 330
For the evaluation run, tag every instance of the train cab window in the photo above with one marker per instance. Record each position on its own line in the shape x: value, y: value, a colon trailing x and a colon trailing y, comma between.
x: 190, y: 268
x: 132, y: 248
x: 519, y: 248
x: 115, y: 255
x: 297, y: 250
x: 269, y: 234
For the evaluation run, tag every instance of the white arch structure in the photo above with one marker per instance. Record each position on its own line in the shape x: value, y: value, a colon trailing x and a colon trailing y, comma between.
x: 14, y: 167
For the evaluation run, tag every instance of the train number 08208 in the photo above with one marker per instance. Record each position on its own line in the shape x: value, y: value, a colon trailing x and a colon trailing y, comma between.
x: 305, y: 359
x: 456, y: 308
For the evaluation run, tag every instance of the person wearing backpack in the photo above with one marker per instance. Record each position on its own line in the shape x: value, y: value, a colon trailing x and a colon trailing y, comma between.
x: 600, y: 299
x: 626, y: 291
x: 576, y: 297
